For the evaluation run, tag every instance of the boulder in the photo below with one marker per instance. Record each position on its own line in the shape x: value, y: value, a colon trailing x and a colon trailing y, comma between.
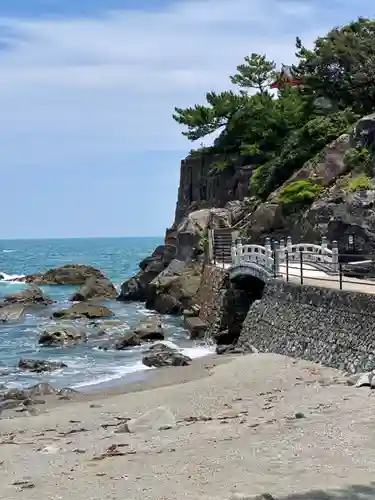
x: 29, y: 296
x: 161, y: 355
x: 39, y: 366
x: 41, y: 389
x: 62, y: 335
x: 95, y: 288
x: 137, y: 287
x: 88, y: 310
x: 70, y: 274
x: 129, y: 339
x: 12, y: 312
x: 158, y: 419
x: 165, y: 304
x: 195, y: 326
x: 150, y: 329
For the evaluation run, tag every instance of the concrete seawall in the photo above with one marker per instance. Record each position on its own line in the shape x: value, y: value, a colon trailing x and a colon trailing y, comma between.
x: 331, y: 327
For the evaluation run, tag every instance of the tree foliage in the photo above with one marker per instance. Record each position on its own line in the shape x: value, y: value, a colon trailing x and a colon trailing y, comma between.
x: 278, y: 131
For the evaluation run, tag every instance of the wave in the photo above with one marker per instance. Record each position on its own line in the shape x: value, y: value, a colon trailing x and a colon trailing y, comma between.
x: 117, y: 372
x: 10, y: 250
x: 10, y: 277
x: 198, y: 351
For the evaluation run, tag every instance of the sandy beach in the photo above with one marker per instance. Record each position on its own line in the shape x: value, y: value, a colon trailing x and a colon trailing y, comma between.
x: 220, y: 427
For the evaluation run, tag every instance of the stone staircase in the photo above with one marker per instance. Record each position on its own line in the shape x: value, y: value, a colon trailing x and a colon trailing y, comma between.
x: 222, y: 242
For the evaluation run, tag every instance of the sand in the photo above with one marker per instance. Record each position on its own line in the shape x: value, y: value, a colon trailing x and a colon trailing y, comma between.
x: 237, y: 431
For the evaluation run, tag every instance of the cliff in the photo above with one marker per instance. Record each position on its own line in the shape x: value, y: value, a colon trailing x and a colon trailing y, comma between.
x: 203, y: 185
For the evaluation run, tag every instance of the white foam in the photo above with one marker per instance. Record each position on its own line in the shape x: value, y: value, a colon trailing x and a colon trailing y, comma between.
x: 117, y: 372
x: 198, y: 351
x: 9, y: 251
x: 11, y: 277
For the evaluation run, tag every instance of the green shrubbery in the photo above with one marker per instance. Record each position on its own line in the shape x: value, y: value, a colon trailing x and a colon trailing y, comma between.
x: 362, y: 182
x: 299, y: 193
x: 359, y: 159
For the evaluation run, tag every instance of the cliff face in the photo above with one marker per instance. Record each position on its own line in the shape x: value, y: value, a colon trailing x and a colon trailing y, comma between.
x: 200, y: 187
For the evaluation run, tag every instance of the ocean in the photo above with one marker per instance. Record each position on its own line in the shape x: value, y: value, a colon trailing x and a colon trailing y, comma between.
x: 88, y: 367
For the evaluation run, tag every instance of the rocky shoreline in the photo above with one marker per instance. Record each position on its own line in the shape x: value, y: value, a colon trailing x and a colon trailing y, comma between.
x: 87, y: 320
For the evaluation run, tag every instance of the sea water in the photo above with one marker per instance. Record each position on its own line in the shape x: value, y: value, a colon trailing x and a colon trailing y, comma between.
x: 88, y: 367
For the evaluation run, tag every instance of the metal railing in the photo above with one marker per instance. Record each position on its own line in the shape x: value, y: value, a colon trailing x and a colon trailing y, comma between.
x: 356, y: 275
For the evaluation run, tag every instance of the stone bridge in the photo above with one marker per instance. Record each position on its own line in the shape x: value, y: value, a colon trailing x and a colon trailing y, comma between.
x: 303, y: 263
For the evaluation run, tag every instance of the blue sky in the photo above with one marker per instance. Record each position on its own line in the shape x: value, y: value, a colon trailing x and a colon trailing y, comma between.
x: 87, y: 89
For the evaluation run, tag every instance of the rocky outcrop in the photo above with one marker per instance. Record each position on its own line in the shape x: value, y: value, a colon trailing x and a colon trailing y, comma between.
x: 336, y: 214
x: 71, y: 274
x: 95, y: 287
x: 150, y: 329
x: 162, y: 281
x: 12, y: 312
x: 201, y: 187
x: 29, y: 296
x: 89, y: 310
x: 40, y: 366
x: 128, y: 339
x: 63, y: 335
x: 162, y: 355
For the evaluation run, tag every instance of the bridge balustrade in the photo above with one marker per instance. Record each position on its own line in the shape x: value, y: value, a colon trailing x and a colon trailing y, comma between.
x: 283, y: 254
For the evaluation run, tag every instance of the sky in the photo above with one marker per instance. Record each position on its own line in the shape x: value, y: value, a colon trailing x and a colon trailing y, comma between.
x: 88, y: 146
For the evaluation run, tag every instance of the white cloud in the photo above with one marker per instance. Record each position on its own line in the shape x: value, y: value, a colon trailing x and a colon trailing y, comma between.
x: 112, y: 82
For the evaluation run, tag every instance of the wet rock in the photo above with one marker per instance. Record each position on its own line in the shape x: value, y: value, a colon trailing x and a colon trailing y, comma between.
x: 230, y: 349
x: 165, y: 304
x: 196, y: 327
x: 150, y: 329
x: 71, y: 274
x: 39, y: 366
x: 128, y: 339
x: 62, y: 335
x: 14, y: 394
x: 31, y: 295
x: 160, y: 418
x: 161, y: 355
x: 9, y: 404
x: 12, y: 312
x: 95, y: 288
x: 41, y: 389
x: 88, y: 310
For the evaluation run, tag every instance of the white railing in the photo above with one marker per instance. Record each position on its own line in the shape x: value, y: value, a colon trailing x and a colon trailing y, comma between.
x: 261, y: 255
x: 282, y: 254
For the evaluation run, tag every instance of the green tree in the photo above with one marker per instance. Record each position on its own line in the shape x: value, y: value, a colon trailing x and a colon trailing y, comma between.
x: 341, y: 66
x: 257, y: 72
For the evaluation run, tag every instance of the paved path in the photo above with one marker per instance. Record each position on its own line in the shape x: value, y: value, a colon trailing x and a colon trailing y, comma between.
x: 315, y: 277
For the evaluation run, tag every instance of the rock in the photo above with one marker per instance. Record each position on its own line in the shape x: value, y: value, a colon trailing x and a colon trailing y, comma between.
x: 150, y: 329
x: 160, y: 418
x: 88, y: 310
x: 129, y: 339
x: 62, y: 335
x: 39, y: 366
x: 364, y: 380
x: 9, y: 404
x: 13, y: 312
x: 41, y: 389
x: 14, y: 394
x: 162, y: 355
x: 70, y: 274
x: 165, y: 304
x: 196, y: 327
x: 31, y: 295
x: 95, y: 288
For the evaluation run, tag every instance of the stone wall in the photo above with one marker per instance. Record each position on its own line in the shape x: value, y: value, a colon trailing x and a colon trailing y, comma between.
x: 331, y: 327
x: 200, y: 188
x: 209, y: 296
